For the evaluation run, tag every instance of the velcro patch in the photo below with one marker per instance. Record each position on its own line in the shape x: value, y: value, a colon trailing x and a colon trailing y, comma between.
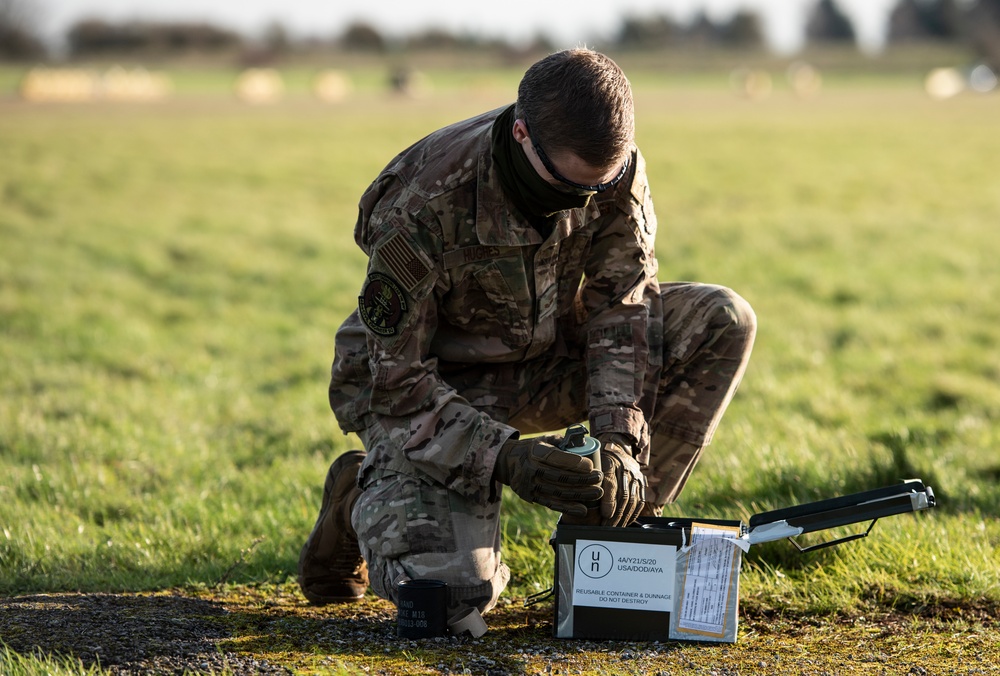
x: 402, y: 261
x: 382, y: 304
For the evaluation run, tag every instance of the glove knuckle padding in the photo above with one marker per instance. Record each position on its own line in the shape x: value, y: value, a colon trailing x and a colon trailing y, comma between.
x: 539, y: 472
x: 624, y: 485
x: 553, y: 457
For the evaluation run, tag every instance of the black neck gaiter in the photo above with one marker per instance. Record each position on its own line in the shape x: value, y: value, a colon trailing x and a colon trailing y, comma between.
x: 531, y: 194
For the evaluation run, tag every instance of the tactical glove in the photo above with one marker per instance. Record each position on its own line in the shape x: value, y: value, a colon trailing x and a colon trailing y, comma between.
x: 624, y: 483
x: 539, y: 472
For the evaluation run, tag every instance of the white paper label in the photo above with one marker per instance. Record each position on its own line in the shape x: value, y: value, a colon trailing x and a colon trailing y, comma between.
x: 707, y: 579
x: 624, y: 575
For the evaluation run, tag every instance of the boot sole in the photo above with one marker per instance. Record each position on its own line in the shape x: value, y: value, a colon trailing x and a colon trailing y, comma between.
x: 317, y: 600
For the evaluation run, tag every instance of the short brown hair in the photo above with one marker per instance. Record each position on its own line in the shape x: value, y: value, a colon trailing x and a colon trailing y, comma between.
x: 578, y: 100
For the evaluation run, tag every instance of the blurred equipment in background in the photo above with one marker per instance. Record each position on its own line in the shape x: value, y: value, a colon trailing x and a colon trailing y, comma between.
x: 944, y: 83
x: 43, y: 85
x: 259, y: 86
x: 982, y: 79
x: 804, y: 79
x: 67, y: 85
x: 408, y: 81
x: 331, y: 86
x: 137, y: 84
x: 750, y: 83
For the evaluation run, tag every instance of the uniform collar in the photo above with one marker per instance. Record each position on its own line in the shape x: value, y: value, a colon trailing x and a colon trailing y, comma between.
x: 498, y: 222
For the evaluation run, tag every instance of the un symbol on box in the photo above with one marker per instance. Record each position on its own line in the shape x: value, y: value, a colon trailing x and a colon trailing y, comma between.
x: 596, y: 561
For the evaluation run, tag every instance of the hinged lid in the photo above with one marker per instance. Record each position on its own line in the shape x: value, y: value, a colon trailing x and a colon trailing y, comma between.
x: 909, y: 496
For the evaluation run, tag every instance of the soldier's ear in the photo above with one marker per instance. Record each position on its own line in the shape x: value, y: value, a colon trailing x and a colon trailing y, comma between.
x: 520, y: 131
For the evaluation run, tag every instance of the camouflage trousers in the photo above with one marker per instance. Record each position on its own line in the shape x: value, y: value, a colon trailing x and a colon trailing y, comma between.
x: 411, y: 528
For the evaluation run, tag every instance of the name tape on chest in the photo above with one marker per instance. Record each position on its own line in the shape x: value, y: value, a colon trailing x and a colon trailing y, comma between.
x: 476, y: 254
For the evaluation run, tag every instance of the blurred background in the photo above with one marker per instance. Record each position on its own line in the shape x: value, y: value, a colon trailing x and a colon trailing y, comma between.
x: 117, y: 49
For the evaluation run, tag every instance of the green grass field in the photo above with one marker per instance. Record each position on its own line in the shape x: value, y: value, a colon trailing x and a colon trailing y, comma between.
x: 172, y: 275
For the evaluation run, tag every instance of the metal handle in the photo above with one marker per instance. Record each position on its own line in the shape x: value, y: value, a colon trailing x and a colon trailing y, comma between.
x: 831, y: 543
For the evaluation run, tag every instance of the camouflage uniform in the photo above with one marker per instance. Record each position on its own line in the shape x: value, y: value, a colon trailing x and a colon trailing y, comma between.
x: 471, y: 328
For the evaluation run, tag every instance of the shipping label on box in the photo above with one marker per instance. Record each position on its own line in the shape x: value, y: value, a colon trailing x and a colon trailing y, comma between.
x: 708, y: 603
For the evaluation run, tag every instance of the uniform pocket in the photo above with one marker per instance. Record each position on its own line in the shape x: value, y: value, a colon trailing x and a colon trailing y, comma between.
x: 399, y: 514
x: 380, y: 518
x: 611, y: 360
x: 512, y: 326
x: 428, y: 519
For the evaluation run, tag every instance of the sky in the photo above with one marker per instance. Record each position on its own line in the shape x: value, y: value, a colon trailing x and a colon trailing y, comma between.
x: 568, y: 22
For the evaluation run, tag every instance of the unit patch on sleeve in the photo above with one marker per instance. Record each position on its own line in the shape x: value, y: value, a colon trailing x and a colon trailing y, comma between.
x: 381, y: 304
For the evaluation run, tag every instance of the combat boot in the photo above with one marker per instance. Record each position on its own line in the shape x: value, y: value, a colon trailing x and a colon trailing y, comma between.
x: 331, y: 568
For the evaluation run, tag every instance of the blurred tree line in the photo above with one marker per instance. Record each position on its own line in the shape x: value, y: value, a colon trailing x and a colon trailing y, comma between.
x: 96, y: 38
x: 972, y: 23
x: 18, y: 36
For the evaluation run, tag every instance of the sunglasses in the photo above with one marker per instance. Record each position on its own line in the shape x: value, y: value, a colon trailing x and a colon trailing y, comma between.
x: 549, y: 167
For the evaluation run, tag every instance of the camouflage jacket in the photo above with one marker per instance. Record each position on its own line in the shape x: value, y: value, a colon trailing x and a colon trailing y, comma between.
x: 457, y: 276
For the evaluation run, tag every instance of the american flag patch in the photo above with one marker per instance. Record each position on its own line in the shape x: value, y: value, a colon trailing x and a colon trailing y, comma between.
x: 402, y: 261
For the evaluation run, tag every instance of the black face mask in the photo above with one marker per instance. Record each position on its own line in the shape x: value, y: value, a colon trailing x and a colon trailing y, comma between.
x: 532, y: 194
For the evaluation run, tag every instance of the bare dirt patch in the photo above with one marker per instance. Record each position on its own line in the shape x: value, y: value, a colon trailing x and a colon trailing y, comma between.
x: 254, y: 630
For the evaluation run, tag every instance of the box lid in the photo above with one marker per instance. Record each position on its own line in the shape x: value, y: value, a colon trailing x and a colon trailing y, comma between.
x: 870, y: 505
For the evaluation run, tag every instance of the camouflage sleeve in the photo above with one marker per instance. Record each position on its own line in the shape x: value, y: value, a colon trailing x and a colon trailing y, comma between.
x: 430, y: 429
x: 619, y: 289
